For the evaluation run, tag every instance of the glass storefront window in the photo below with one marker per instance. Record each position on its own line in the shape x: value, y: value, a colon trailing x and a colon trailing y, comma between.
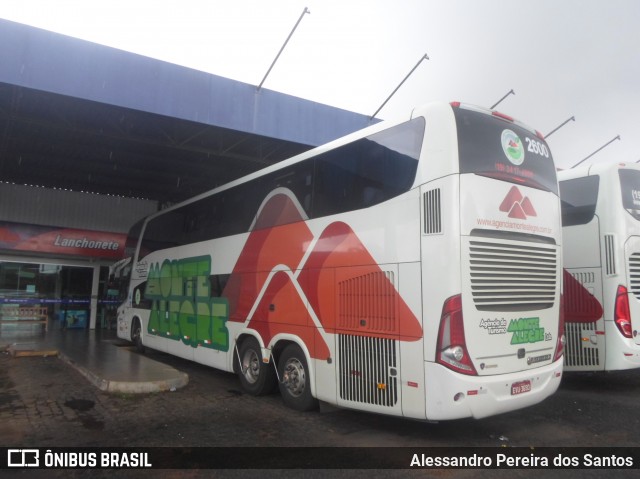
x: 60, y: 293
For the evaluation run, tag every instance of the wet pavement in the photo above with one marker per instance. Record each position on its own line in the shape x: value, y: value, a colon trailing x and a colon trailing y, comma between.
x: 101, y: 357
x: 47, y: 402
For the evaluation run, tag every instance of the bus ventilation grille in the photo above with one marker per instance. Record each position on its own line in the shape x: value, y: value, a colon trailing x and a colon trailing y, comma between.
x: 634, y: 274
x: 432, y: 212
x: 367, y: 303
x: 579, y: 349
x: 368, y: 370
x: 512, y: 277
x: 610, y: 255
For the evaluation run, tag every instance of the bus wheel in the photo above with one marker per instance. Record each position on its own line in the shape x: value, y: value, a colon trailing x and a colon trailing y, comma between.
x: 294, y: 380
x: 136, y: 335
x: 257, y: 378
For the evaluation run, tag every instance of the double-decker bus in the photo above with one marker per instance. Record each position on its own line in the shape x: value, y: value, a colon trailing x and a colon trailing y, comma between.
x: 412, y: 269
x: 601, y: 229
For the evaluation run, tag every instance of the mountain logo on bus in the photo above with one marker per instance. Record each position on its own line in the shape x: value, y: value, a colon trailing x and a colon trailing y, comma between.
x: 289, y: 279
x: 512, y: 147
x: 516, y: 205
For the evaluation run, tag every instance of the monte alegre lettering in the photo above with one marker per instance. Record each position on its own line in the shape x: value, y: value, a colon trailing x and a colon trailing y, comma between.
x: 182, y: 307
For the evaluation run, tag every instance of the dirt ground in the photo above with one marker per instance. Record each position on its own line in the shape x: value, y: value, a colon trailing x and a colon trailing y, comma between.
x: 46, y: 403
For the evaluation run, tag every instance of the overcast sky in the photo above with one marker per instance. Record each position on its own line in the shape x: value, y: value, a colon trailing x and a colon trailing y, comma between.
x: 562, y: 58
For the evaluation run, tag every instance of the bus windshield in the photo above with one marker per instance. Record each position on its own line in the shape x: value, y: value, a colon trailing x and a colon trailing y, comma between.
x: 630, y: 188
x: 491, y: 147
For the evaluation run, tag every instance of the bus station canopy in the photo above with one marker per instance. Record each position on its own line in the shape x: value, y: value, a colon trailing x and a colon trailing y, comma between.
x: 85, y: 117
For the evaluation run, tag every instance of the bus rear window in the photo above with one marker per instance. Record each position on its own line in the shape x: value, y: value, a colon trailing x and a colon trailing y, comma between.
x: 630, y: 188
x: 489, y: 146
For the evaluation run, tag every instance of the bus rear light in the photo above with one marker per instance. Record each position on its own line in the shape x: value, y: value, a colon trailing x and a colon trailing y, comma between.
x: 622, y: 312
x: 455, y: 104
x: 561, y: 339
x: 452, y: 348
x: 539, y: 135
x: 502, y: 115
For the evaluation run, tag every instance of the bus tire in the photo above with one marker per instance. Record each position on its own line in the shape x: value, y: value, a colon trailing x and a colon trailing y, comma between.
x: 136, y: 335
x: 257, y: 378
x: 295, y: 385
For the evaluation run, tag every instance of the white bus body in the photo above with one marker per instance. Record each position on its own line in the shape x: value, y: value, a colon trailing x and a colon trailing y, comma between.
x: 601, y: 230
x: 410, y: 269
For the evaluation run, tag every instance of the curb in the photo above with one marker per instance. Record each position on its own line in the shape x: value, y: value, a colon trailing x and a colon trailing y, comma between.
x: 129, y: 387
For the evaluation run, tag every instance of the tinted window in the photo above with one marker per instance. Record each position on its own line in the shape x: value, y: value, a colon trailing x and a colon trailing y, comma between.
x: 578, y: 199
x: 368, y: 171
x: 162, y: 232
x: 354, y: 176
x: 630, y: 187
x: 492, y: 147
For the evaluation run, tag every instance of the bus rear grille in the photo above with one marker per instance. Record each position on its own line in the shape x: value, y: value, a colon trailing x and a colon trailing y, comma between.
x: 610, y: 255
x: 368, y: 369
x: 432, y: 212
x: 579, y: 350
x: 510, y: 277
x: 576, y: 308
x: 634, y: 274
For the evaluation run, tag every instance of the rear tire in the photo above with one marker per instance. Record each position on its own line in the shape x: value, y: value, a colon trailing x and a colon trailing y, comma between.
x: 136, y: 335
x: 257, y: 378
x: 295, y: 385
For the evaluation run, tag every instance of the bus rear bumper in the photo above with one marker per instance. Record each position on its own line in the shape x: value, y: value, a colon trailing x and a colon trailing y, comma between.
x: 621, y: 353
x: 450, y: 395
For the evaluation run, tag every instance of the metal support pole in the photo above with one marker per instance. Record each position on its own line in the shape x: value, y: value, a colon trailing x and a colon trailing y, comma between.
x: 573, y: 118
x: 603, y: 146
x: 424, y: 57
x: 306, y: 10
x: 511, y: 92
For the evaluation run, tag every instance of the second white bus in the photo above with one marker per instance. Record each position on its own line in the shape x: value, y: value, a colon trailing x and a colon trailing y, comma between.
x: 601, y: 229
x: 410, y: 269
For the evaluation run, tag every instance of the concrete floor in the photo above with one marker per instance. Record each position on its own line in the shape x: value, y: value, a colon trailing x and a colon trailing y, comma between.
x: 100, y: 356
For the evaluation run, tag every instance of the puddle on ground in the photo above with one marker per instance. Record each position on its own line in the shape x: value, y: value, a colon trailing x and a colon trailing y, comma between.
x: 80, y: 404
x: 87, y: 420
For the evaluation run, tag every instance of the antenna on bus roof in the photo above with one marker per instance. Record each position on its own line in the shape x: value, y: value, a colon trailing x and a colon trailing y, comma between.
x: 424, y: 57
x: 510, y: 92
x: 306, y: 10
x: 573, y: 118
x: 603, y: 146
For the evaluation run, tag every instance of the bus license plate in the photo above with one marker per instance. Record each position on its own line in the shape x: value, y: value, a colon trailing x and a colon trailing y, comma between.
x: 520, y: 387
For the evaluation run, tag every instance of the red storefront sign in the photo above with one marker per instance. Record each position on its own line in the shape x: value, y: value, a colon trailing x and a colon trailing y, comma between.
x: 61, y: 241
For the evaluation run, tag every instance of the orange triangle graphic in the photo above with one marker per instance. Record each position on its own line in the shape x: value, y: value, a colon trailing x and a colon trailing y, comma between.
x: 266, y: 248
x: 527, y: 207
x: 514, y: 196
x: 580, y: 306
x: 517, y: 212
x: 340, y: 260
x: 282, y: 310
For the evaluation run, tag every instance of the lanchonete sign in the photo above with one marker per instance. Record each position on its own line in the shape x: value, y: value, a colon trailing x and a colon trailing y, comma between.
x: 61, y: 241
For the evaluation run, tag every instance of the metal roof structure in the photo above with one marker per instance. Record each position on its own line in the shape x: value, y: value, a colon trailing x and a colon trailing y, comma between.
x: 81, y: 116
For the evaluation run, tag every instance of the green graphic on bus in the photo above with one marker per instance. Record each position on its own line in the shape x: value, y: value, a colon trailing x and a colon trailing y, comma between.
x: 526, y: 330
x: 182, y: 307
